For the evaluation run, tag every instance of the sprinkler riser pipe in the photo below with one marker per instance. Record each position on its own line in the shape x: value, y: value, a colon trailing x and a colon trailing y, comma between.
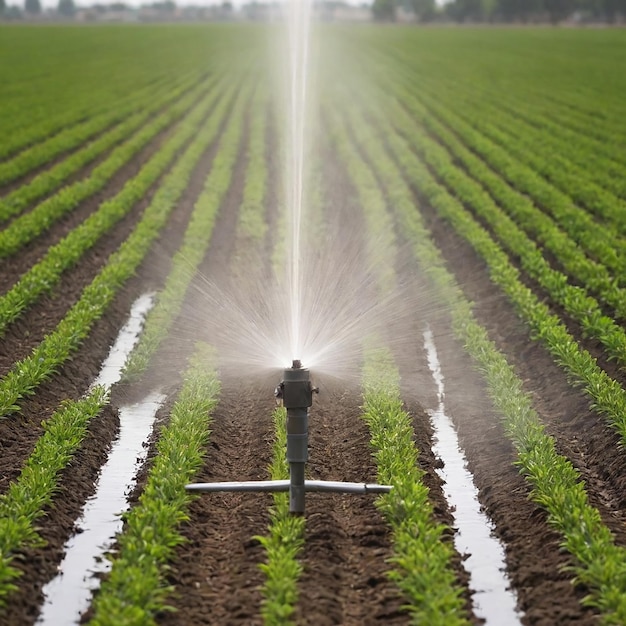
x: 297, y: 488
x: 297, y: 395
x: 297, y: 435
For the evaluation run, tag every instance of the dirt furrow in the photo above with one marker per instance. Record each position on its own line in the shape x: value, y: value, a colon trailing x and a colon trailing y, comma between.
x: 215, y: 573
x: 582, y: 435
x: 14, y: 266
x: 534, y: 559
x: 18, y: 434
x: 347, y: 540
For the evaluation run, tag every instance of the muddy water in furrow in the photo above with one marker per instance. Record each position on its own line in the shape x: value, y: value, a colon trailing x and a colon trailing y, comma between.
x: 492, y: 597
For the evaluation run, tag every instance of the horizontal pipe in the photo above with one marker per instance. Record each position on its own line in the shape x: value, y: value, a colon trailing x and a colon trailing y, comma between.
x: 283, y: 485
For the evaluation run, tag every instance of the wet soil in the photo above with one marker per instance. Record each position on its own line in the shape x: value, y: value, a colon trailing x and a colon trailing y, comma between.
x: 19, y: 433
x: 215, y: 572
x: 534, y: 559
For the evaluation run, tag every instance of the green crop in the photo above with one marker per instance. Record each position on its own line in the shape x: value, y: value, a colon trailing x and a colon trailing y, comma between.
x: 283, y: 542
x: 27, y: 374
x: 23, y: 503
x: 195, y: 242
x: 136, y: 590
x: 421, y: 555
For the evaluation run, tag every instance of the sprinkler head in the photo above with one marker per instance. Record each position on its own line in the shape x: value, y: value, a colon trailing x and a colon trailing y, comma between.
x: 295, y: 390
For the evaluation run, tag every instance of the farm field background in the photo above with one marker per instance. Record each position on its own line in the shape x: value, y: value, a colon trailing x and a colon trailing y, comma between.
x: 464, y: 184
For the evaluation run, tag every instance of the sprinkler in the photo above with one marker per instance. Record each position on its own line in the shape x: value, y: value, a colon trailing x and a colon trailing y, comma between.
x: 296, y: 393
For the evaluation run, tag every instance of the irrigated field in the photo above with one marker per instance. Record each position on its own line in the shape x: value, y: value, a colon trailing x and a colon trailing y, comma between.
x: 472, y: 179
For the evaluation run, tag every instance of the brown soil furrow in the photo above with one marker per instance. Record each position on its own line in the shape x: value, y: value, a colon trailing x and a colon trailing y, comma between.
x: 14, y: 266
x: 534, y: 558
x: 18, y: 433
x: 582, y: 435
x: 347, y: 540
x: 215, y: 573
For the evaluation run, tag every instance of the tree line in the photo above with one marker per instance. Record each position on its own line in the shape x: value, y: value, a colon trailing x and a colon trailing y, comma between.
x: 520, y: 11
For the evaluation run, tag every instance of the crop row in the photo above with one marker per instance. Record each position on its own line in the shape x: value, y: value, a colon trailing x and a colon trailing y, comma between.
x: 284, y: 540
x: 27, y: 139
x: 421, y: 558
x: 102, y: 68
x: 565, y: 147
x: 68, y: 139
x: 27, y: 374
x: 43, y: 275
x: 64, y: 432
x: 598, y: 241
x: 592, y: 274
x: 593, y: 104
x: 575, y: 301
x: 34, y: 223
x: 251, y: 221
x: 571, y: 179
x: 608, y: 396
x: 135, y: 589
x: 555, y: 483
x: 195, y: 243
x: 533, y: 123
x: 23, y: 504
x: 47, y: 181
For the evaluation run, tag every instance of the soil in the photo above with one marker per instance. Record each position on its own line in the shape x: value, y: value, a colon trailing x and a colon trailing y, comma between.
x: 215, y: 573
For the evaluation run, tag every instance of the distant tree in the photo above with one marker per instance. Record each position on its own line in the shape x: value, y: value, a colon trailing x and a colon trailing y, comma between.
x: 3, y: 7
x: 425, y: 10
x: 384, y: 10
x: 466, y: 10
x: 558, y: 10
x: 66, y: 8
x: 32, y: 6
x: 13, y: 12
x: 168, y: 6
x: 612, y: 8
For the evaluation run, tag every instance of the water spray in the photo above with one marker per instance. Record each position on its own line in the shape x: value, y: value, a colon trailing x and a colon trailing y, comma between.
x: 296, y: 393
